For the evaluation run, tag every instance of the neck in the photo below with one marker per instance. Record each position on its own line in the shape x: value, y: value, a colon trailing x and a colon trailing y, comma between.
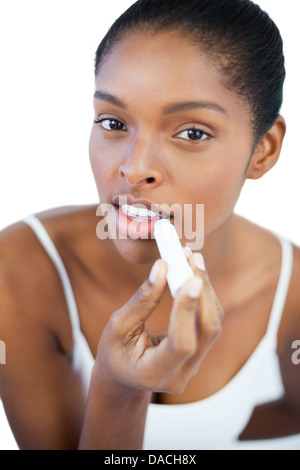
x: 219, y: 248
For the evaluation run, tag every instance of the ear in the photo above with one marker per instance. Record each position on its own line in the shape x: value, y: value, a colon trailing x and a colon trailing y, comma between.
x: 267, y: 151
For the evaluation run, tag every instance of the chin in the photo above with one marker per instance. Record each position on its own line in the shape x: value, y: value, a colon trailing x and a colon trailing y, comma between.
x: 138, y: 251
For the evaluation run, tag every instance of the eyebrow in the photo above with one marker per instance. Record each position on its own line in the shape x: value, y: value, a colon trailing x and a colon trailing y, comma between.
x: 170, y: 109
x: 186, y: 106
x: 101, y: 95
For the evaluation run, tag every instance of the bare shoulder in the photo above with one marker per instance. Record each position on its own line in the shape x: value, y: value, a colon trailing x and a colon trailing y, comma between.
x: 265, y: 249
x: 20, y: 266
x: 30, y: 287
x: 292, y: 311
x: 289, y: 333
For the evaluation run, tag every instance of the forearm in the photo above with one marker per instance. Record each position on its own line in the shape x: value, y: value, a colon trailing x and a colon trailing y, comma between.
x: 272, y: 420
x: 114, y: 420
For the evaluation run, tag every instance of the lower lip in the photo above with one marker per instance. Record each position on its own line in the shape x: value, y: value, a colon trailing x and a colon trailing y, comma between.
x: 133, y: 229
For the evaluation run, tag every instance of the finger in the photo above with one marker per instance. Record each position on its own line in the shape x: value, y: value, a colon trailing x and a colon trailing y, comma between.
x: 197, y: 261
x: 142, y: 304
x: 187, y: 251
x: 198, y: 265
x: 210, y: 311
x: 181, y: 341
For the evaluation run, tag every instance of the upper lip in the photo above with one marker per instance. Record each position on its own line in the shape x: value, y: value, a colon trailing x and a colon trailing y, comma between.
x: 140, y: 203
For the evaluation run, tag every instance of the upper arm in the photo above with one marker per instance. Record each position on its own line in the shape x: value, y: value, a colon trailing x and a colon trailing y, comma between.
x: 290, y: 370
x: 41, y: 393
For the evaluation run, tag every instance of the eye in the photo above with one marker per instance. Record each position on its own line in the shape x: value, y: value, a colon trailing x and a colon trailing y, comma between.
x: 110, y: 124
x: 193, y: 134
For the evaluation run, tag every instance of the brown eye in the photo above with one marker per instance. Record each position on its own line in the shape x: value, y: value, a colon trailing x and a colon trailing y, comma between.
x: 193, y: 134
x: 111, y: 124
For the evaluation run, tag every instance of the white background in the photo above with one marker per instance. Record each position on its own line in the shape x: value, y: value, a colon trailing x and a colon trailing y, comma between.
x: 47, y: 53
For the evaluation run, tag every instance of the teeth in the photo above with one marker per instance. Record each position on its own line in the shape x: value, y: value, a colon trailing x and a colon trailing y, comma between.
x: 137, y: 212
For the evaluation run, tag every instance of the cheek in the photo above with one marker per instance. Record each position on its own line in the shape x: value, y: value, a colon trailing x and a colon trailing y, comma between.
x: 218, y: 189
x: 101, y: 166
x: 95, y: 161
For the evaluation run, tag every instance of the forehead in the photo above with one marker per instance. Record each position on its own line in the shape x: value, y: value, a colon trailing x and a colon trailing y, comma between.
x: 164, y: 67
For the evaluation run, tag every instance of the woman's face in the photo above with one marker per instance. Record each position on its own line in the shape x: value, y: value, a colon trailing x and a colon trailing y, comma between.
x: 168, y: 133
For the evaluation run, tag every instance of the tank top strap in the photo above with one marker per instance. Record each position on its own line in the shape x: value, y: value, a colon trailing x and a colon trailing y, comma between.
x: 48, y: 245
x: 282, y: 286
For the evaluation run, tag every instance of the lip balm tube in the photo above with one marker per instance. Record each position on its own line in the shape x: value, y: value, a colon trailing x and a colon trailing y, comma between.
x: 171, y: 251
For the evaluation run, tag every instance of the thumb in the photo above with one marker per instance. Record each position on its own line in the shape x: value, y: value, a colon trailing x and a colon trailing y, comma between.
x: 142, y: 304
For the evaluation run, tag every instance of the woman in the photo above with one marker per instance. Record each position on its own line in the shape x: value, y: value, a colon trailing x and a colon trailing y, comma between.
x: 187, y: 103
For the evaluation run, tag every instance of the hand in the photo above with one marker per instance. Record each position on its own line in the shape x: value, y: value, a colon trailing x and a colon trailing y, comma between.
x: 131, y: 357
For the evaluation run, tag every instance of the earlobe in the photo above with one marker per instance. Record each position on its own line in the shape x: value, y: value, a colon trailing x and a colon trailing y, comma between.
x: 267, y: 150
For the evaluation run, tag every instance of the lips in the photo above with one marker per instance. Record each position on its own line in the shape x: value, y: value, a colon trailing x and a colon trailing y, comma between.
x: 136, y: 219
x: 137, y: 214
x: 140, y: 210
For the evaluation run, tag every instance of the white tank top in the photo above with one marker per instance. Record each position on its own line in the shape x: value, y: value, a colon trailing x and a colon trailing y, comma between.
x: 214, y: 422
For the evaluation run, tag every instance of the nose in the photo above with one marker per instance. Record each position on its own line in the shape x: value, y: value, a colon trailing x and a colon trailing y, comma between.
x: 141, y: 166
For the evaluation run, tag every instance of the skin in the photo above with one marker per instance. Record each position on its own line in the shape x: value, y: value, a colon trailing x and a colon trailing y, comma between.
x: 150, y: 148
x: 150, y: 158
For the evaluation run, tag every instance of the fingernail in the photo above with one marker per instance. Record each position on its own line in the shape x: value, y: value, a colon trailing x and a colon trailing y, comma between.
x: 194, y: 287
x: 154, y: 273
x: 187, y: 251
x: 199, y: 261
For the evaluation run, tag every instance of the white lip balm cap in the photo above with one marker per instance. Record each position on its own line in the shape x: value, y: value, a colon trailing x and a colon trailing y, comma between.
x: 171, y: 251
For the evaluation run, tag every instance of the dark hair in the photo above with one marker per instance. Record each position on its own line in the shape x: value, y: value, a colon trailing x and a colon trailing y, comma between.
x: 240, y: 37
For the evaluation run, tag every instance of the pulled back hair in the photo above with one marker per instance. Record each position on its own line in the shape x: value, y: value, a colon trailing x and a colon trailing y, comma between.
x: 237, y: 35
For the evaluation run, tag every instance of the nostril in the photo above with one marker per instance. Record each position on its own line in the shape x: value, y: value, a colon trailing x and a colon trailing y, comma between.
x: 150, y: 180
